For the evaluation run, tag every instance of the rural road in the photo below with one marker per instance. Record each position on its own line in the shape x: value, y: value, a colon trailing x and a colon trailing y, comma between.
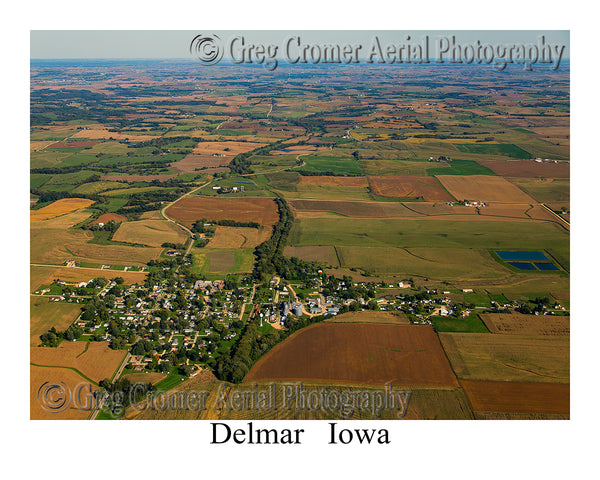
x: 187, y: 230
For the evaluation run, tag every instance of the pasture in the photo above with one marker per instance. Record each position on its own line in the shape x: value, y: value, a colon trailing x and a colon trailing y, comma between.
x: 329, y: 164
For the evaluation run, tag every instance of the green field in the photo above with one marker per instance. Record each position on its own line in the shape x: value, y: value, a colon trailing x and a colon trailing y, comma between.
x: 221, y: 261
x: 472, y: 323
x: 545, y: 190
x: 461, y: 167
x: 328, y: 164
x: 507, y: 150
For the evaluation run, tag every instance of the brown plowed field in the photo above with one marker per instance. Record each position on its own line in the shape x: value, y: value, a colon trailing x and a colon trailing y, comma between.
x: 527, y: 168
x: 483, y: 188
x: 518, y: 397
x: 190, y: 209
x: 518, y: 324
x: 107, y: 217
x: 329, y: 180
x: 226, y: 148
x: 410, y: 186
x: 194, y: 163
x: 358, y: 353
x: 353, y: 209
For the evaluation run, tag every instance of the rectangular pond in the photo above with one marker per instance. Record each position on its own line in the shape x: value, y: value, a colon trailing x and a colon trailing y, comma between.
x: 520, y: 255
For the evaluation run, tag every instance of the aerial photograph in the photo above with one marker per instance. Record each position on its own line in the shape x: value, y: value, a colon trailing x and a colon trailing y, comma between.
x: 274, y: 225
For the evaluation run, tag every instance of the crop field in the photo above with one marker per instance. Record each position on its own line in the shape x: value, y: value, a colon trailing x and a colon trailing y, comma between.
x: 190, y: 209
x: 221, y: 261
x: 109, y: 217
x: 97, y: 187
x: 477, y: 232
x: 225, y: 148
x: 483, y: 188
x: 357, y: 353
x: 97, y: 362
x: 103, y: 134
x: 59, y: 207
x: 493, y: 149
x: 324, y: 254
x: 43, y: 315
x: 461, y: 167
x: 53, y: 243
x: 330, y: 164
x: 434, y: 263
x: 508, y: 358
x: 239, y: 237
x: 327, y: 192
x: 149, y: 232
x: 545, y: 190
x: 352, y: 209
x: 194, y: 163
x: 518, y: 397
x: 427, y: 188
x: 332, y: 180
x: 519, y: 324
x: 528, y: 168
x: 393, y: 318
x: 38, y: 376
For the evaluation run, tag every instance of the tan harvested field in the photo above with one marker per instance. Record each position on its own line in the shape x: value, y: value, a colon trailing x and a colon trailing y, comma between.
x: 102, y: 134
x: 508, y: 358
x: 59, y: 207
x: 52, y: 242
x: 518, y: 210
x: 34, y: 146
x: 324, y: 254
x: 328, y: 180
x: 44, y: 275
x: 225, y: 148
x: 518, y: 324
x: 527, y: 168
x: 518, y: 397
x: 150, y: 232
x: 239, y: 237
x: 38, y: 376
x: 358, y: 353
x: 352, y: 209
x: 370, y: 316
x: 97, y: 362
x: 109, y: 217
x: 427, y: 188
x: 137, y: 178
x: 247, y: 209
x: 43, y: 315
x: 483, y: 188
x: 194, y: 163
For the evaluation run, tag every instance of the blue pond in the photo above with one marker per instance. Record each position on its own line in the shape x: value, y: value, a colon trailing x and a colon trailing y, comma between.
x: 522, y: 265
x: 518, y: 255
x: 545, y: 266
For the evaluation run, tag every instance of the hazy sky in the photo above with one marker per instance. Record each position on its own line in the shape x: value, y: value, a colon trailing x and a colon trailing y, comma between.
x: 48, y: 44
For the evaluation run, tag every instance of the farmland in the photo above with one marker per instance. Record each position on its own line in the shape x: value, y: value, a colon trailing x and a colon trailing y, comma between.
x: 149, y: 232
x: 518, y: 397
x: 509, y: 358
x: 518, y: 324
x: 356, y: 192
x: 358, y: 353
x: 192, y: 209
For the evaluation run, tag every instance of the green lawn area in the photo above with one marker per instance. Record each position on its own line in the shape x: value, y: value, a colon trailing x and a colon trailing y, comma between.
x: 471, y: 324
